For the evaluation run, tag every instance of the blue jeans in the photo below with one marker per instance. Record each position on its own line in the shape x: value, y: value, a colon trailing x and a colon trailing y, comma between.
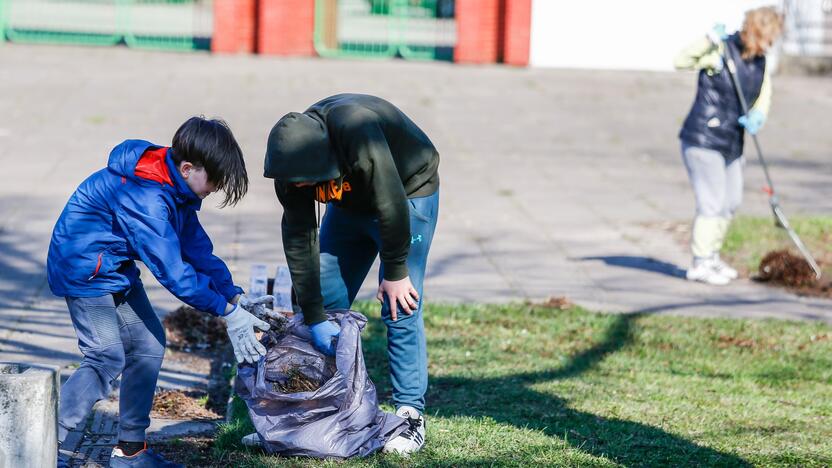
x: 349, y: 245
x: 117, y: 334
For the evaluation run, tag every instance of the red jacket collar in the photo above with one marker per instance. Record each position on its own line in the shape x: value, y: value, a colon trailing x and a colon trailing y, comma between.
x: 151, y: 166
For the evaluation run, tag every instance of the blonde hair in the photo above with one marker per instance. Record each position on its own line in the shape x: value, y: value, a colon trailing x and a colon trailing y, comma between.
x: 762, y: 26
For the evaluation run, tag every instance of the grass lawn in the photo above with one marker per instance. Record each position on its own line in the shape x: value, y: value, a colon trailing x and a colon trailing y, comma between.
x: 750, y: 238
x: 518, y: 385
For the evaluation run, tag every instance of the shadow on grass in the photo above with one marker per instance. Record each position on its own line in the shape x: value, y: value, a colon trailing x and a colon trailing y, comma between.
x: 511, y: 400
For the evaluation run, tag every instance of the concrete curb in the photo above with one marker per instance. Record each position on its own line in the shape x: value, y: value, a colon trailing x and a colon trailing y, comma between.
x: 28, y: 414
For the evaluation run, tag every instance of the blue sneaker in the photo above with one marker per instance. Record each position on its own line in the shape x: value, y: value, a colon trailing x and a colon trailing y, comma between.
x: 143, y: 459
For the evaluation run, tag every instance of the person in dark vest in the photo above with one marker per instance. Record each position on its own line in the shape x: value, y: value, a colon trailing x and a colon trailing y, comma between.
x: 713, y: 132
x: 377, y: 173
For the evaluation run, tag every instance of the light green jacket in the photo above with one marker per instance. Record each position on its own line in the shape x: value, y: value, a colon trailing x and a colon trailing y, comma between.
x: 705, y: 55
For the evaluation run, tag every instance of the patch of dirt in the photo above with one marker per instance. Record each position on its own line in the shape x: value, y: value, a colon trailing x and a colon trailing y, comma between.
x: 814, y: 339
x: 197, y: 451
x: 786, y: 269
x: 187, y: 328
x: 559, y: 303
x: 665, y: 346
x: 176, y: 404
x: 727, y: 341
x: 217, y: 364
x: 783, y: 267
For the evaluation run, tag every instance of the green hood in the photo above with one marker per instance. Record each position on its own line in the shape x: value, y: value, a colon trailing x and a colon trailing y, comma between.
x: 299, y: 150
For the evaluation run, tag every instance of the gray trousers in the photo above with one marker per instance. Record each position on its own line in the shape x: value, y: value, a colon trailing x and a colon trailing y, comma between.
x: 718, y: 190
x: 716, y: 185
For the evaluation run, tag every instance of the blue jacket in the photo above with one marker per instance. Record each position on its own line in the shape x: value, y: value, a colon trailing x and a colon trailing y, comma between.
x: 138, y: 208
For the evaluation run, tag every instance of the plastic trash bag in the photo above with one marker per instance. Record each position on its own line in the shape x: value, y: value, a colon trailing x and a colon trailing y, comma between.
x: 293, y: 365
x: 341, y: 419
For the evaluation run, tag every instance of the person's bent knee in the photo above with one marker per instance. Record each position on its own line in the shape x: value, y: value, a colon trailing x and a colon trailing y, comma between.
x: 156, y: 350
x: 108, y: 361
x: 403, y: 320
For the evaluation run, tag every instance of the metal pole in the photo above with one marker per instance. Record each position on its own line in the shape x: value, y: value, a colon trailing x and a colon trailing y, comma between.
x: 773, y: 200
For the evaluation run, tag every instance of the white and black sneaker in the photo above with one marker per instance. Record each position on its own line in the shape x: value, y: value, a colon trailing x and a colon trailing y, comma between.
x: 252, y: 440
x: 413, y: 438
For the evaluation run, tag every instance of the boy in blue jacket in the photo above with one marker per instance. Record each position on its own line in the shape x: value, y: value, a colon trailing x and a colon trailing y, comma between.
x: 143, y: 206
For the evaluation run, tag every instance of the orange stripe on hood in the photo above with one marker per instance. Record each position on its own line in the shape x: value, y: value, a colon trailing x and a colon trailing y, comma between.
x: 152, y: 166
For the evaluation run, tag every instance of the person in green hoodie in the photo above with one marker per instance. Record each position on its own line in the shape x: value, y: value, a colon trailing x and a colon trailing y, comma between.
x: 377, y: 172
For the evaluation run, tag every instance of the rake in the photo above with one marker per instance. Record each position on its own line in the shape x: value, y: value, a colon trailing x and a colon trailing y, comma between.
x: 773, y: 199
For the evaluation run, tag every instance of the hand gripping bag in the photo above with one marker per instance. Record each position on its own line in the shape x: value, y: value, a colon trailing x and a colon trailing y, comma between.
x: 340, y: 419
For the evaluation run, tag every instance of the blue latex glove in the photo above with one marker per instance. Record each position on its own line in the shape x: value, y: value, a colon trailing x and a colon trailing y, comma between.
x: 717, y: 34
x: 752, y: 121
x: 324, y: 336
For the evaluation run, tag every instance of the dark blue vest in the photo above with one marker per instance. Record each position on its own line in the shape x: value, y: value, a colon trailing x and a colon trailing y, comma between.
x: 712, y: 120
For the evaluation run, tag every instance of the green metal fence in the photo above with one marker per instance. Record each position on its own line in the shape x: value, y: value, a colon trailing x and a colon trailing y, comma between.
x: 412, y: 29
x: 64, y: 22
x: 154, y: 24
x: 165, y: 24
x: 2, y: 21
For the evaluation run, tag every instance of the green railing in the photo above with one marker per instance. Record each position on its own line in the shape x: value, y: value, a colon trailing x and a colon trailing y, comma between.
x: 2, y: 21
x: 412, y: 29
x: 153, y: 24
x: 63, y: 22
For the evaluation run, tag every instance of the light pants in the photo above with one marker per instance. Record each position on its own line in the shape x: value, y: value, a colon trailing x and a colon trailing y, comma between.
x: 350, y: 243
x: 117, y: 334
x: 718, y: 190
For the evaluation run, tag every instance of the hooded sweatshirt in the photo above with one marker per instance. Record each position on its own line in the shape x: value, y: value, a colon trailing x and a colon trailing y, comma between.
x: 138, y: 208
x: 366, y: 156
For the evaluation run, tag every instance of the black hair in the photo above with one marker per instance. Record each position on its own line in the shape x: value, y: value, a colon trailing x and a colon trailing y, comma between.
x: 209, y: 143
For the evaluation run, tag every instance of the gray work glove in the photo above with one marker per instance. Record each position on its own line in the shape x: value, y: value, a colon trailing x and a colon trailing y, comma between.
x: 256, y: 305
x: 240, y: 327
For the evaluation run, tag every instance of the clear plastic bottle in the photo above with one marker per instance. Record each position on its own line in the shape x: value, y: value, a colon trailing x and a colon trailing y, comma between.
x: 258, y: 281
x: 283, y: 290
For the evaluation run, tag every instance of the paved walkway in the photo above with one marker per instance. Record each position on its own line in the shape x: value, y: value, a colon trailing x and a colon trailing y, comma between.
x: 549, y: 177
x: 90, y: 446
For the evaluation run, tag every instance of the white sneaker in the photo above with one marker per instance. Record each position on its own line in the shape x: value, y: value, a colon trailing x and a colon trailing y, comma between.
x: 413, y: 438
x: 706, y: 273
x: 251, y: 440
x: 724, y: 269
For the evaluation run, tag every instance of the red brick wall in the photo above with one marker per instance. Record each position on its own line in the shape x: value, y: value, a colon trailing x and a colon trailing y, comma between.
x: 517, y: 30
x: 478, y: 31
x: 286, y: 27
x: 234, y: 26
